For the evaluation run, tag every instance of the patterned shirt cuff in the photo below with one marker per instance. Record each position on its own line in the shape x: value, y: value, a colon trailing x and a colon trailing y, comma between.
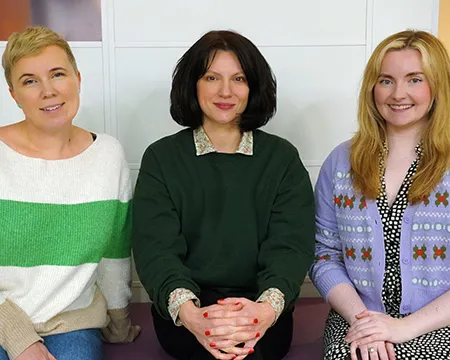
x: 275, y: 298
x: 177, y: 298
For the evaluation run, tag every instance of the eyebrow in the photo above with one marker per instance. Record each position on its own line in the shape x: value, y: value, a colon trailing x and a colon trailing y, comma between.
x: 414, y: 73
x: 216, y: 73
x: 51, y: 70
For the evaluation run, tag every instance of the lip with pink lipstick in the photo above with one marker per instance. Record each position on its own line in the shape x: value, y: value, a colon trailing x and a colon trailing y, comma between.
x: 224, y: 106
x: 52, y: 108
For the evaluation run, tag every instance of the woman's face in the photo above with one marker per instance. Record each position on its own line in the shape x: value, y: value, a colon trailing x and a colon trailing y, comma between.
x: 47, y: 88
x: 402, y: 93
x: 223, y: 91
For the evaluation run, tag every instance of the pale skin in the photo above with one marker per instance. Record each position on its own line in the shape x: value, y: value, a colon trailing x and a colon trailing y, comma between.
x: 36, y: 351
x: 403, y: 97
x: 41, y: 82
x: 222, y: 94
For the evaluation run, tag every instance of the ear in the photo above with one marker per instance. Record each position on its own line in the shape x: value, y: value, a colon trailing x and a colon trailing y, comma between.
x: 13, y: 95
x: 79, y: 80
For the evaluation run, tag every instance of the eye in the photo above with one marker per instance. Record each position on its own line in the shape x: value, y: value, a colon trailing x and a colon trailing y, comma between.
x: 416, y: 80
x: 58, y: 74
x: 385, y: 82
x: 210, y: 77
x: 29, y: 82
x: 240, y: 78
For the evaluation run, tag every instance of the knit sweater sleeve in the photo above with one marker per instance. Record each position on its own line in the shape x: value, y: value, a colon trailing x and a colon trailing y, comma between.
x: 287, y: 252
x: 328, y: 269
x: 114, y: 269
x: 16, y: 330
x: 158, y: 243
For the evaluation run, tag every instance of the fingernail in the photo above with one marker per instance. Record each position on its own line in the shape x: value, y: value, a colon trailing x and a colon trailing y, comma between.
x: 251, y: 351
x: 207, y: 333
x: 212, y: 345
x: 234, y: 357
x: 238, y: 303
x: 205, y: 314
x: 220, y: 300
x: 258, y: 335
x: 255, y: 321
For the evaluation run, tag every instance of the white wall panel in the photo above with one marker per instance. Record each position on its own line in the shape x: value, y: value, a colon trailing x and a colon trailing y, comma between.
x: 317, y: 96
x: 9, y: 112
x: 143, y: 97
x: 391, y: 16
x: 91, y: 114
x: 284, y: 22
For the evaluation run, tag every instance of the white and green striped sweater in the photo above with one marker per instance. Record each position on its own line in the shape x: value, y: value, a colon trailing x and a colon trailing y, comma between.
x: 65, y: 244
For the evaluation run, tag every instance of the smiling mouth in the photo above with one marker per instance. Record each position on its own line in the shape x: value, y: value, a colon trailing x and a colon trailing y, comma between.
x: 401, y: 107
x: 224, y: 106
x: 52, y: 108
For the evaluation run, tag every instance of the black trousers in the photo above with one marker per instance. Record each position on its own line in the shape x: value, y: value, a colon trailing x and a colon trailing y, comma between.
x: 181, y: 344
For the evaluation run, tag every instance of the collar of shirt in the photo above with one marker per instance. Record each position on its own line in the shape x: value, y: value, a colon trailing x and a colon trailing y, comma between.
x: 204, y: 146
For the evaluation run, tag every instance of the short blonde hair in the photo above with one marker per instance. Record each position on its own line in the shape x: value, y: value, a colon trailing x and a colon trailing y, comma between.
x: 368, y: 141
x: 32, y: 41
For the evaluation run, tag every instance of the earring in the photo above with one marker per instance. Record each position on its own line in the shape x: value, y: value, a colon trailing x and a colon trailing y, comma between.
x: 19, y: 106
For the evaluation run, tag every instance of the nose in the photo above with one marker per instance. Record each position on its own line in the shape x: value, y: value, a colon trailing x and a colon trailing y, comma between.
x: 225, y: 89
x: 48, y: 90
x: 399, y: 92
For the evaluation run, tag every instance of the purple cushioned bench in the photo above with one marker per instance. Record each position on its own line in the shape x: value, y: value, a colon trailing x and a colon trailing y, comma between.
x: 310, y: 315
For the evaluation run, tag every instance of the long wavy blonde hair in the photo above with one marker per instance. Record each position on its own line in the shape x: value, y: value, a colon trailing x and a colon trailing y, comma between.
x: 367, y: 143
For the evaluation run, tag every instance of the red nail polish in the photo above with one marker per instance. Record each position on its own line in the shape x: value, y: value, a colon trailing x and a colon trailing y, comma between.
x: 207, y: 333
x: 251, y: 351
x: 205, y: 314
x: 212, y: 345
x: 220, y: 300
x: 234, y: 357
x: 258, y: 335
x: 255, y: 321
x: 238, y: 303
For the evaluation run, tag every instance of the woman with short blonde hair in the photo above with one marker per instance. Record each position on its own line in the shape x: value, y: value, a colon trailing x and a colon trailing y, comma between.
x: 64, y: 200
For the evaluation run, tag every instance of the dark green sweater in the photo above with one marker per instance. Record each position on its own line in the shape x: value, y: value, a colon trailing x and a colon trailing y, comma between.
x: 234, y: 223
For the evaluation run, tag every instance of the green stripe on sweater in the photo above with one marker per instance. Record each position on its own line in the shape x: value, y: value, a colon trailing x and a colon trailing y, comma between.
x: 33, y: 234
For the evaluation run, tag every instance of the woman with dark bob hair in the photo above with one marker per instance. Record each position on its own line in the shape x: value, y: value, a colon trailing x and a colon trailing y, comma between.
x: 223, y: 212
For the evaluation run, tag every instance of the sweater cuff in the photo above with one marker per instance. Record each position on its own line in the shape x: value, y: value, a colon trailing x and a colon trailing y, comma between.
x: 275, y: 298
x: 119, y: 329
x: 177, y: 298
x: 329, y: 276
x: 16, y: 331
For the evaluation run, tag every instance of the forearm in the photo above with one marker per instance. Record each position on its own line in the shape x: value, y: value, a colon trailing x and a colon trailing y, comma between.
x: 16, y: 330
x: 344, y: 299
x: 432, y: 316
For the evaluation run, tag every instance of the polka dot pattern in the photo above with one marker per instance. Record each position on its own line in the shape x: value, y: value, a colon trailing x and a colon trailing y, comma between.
x: 434, y: 345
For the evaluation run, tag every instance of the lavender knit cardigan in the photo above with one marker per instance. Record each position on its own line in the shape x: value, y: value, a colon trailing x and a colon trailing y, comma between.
x: 350, y: 245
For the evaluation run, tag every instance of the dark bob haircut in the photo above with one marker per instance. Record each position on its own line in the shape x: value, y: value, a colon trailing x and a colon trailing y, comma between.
x: 262, y: 101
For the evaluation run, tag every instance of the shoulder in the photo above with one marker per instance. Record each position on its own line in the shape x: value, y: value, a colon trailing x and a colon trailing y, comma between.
x: 339, y: 157
x: 167, y: 145
x: 276, y: 144
x: 108, y: 144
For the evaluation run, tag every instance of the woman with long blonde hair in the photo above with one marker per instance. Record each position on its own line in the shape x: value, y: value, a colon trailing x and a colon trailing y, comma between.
x: 382, y: 214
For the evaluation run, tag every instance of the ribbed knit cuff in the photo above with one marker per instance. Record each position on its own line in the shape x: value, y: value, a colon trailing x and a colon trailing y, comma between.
x: 328, y: 277
x: 275, y: 298
x: 119, y: 329
x: 177, y: 298
x: 16, y: 331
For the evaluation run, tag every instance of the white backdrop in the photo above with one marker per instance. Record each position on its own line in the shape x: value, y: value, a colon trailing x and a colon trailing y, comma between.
x: 317, y: 49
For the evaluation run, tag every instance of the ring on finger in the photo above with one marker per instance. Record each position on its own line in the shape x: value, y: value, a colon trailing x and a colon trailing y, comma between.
x: 371, y: 349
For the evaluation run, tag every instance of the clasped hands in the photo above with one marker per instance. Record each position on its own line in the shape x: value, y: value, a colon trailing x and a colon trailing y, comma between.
x: 374, y: 333
x: 219, y: 328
